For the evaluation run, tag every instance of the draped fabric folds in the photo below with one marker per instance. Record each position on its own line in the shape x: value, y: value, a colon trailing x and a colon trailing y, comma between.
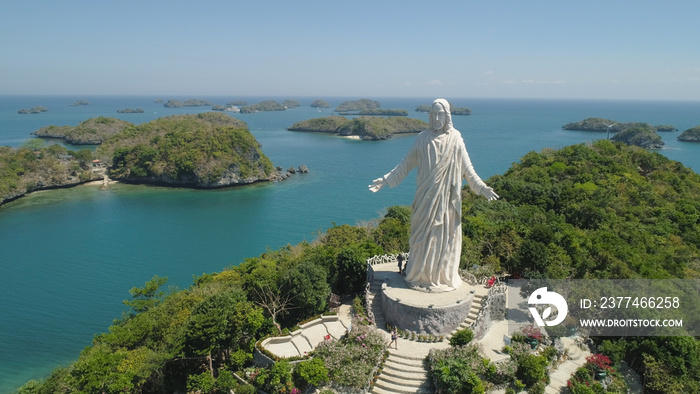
x: 436, y: 225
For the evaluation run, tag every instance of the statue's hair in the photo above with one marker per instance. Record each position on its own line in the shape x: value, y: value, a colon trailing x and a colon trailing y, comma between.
x: 448, y: 115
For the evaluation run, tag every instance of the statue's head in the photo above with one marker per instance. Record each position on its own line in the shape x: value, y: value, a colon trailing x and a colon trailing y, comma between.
x: 440, y: 117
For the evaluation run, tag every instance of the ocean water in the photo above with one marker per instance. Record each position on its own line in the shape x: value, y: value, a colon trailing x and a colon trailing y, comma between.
x: 68, y: 257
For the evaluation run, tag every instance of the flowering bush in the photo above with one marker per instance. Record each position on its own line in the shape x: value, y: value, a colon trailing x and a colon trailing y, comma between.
x: 600, y: 362
x: 351, y: 361
x: 532, y: 332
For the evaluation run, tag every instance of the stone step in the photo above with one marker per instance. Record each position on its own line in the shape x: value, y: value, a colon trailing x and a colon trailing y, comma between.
x: 396, y: 385
x: 413, y: 368
x: 403, y: 359
x: 382, y: 387
x: 407, y: 376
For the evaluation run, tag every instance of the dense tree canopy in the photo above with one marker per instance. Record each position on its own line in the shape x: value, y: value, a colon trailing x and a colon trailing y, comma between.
x: 202, y: 150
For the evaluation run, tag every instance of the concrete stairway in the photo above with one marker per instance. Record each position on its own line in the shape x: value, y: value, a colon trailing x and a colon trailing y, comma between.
x: 375, y: 303
x: 473, y: 313
x: 403, y: 374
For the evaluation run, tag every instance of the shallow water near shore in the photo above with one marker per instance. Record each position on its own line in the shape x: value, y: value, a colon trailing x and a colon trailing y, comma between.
x: 69, y: 256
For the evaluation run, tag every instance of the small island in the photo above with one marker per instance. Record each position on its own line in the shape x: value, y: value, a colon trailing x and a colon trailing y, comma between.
x: 130, y: 111
x: 90, y: 132
x: 266, y: 105
x: 690, y: 135
x: 80, y: 103
x: 453, y: 110
x: 187, y: 103
x: 208, y: 150
x: 291, y: 103
x: 600, y: 124
x: 33, y: 110
x: 365, y: 128
x: 643, y: 135
x: 225, y: 108
x: 320, y: 104
x: 665, y: 127
x: 357, y: 105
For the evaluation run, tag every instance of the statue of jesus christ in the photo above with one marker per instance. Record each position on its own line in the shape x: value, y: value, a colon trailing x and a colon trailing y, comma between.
x: 436, y: 225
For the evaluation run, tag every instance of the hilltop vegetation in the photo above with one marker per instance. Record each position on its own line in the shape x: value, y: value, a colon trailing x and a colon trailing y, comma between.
x: 367, y: 128
x: 378, y: 112
x: 205, y: 150
x: 89, y: 132
x: 29, y: 169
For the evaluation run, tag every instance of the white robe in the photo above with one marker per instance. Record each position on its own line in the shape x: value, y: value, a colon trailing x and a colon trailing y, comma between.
x: 436, y: 225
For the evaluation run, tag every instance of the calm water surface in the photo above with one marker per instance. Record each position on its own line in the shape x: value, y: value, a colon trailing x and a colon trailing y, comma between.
x: 70, y: 256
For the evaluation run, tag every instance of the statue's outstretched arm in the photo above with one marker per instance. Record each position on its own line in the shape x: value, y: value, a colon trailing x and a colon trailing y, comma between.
x: 473, y: 180
x: 377, y: 184
x: 396, y: 175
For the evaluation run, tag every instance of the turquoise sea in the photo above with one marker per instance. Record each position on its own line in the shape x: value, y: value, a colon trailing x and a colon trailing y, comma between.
x: 68, y: 257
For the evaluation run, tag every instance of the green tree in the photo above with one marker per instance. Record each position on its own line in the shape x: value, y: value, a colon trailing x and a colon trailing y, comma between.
x: 145, y: 297
x: 222, y: 323
x: 309, y: 289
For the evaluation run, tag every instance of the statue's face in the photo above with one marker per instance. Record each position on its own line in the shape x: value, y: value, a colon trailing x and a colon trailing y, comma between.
x: 437, y: 117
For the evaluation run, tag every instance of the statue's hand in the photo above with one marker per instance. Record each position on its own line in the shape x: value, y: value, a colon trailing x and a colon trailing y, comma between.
x: 376, y: 185
x: 489, y: 194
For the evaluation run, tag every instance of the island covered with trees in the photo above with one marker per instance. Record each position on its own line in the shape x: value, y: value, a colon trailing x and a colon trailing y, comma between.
x: 690, y: 135
x: 207, y: 150
x: 32, y: 168
x: 187, y: 103
x: 130, y: 111
x: 33, y: 110
x: 453, y: 110
x: 601, y: 124
x: 265, y: 105
x: 642, y: 135
x: 89, y: 132
x: 601, y: 210
x: 366, y: 128
x: 320, y: 104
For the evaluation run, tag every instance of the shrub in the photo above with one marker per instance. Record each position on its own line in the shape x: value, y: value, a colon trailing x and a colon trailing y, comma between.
x: 203, y: 382
x: 532, y: 369
x: 246, y: 389
x: 351, y: 361
x: 462, y: 337
x: 312, y: 372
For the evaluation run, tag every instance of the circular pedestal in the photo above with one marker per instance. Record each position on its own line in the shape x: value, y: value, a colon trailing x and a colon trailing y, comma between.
x: 423, y: 312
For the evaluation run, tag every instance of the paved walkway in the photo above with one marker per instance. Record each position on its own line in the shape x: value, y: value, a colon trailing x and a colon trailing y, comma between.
x: 304, y: 340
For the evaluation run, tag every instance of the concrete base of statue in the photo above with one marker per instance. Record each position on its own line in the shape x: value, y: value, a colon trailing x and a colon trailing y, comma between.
x: 420, y: 311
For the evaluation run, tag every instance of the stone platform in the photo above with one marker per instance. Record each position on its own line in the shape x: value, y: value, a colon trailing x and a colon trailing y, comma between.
x: 418, y: 311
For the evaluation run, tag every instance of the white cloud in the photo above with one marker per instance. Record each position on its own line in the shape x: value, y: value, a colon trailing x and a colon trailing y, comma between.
x: 435, y: 82
x: 490, y: 72
x: 545, y: 82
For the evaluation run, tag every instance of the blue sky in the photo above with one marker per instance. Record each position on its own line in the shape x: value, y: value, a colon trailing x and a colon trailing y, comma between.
x: 517, y: 49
